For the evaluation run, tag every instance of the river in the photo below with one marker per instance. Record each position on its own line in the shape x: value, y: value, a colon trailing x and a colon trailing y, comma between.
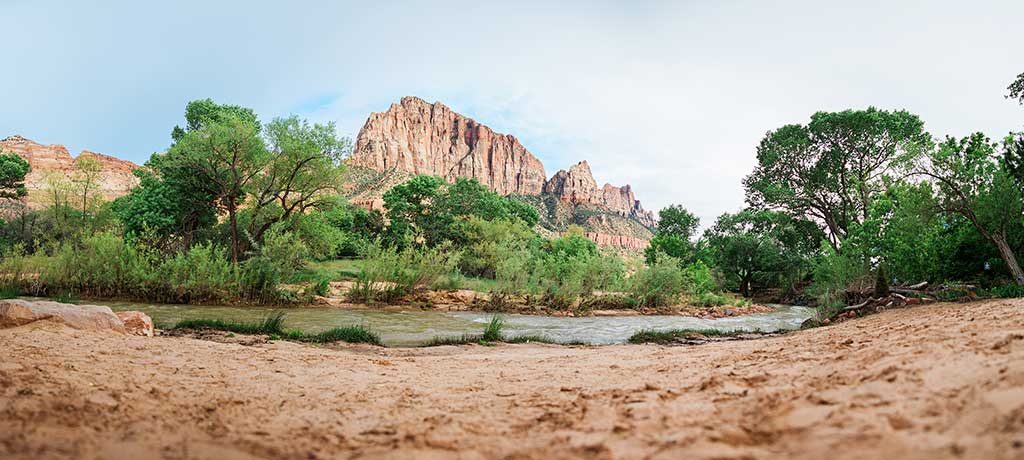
x: 408, y: 328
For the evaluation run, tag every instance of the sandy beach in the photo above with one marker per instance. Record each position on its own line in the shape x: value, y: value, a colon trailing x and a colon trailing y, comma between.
x: 936, y: 381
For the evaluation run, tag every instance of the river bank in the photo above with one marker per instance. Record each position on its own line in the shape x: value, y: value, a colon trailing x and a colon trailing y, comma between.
x: 935, y: 381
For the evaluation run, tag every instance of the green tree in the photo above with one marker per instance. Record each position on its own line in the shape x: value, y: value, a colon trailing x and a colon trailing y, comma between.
x: 1013, y: 156
x: 829, y: 170
x: 407, y: 205
x: 202, y: 112
x: 85, y: 180
x: 905, y: 232
x: 13, y: 169
x: 225, y: 158
x: 425, y: 210
x: 973, y: 183
x: 303, y: 171
x: 756, y: 245
x: 673, y: 235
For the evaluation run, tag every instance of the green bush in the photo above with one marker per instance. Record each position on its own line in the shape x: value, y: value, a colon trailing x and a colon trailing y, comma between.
x: 834, y: 274
x: 658, y: 285
x: 390, y: 273
x: 105, y: 265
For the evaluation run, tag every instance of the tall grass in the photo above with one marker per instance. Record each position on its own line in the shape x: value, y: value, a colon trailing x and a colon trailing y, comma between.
x: 679, y: 335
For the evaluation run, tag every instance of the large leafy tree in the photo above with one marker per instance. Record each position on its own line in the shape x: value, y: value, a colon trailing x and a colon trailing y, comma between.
x: 407, y: 207
x: 13, y: 169
x: 224, y: 162
x: 757, y: 245
x: 303, y: 171
x: 204, y: 112
x: 974, y: 184
x: 829, y: 170
x: 674, y: 234
x: 427, y: 210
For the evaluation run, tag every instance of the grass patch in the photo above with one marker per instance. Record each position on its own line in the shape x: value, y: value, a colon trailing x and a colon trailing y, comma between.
x: 350, y: 334
x: 455, y: 340
x: 677, y: 335
x: 273, y: 325
x: 493, y: 333
x: 9, y: 292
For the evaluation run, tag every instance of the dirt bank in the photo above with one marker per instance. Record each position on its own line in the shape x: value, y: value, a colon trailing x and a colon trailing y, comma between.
x: 938, y: 381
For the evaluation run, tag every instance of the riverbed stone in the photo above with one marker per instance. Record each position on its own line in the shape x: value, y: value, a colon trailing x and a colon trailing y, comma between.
x: 136, y: 323
x: 17, y: 312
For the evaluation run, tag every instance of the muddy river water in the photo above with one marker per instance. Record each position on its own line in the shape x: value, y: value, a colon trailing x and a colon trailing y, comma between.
x: 407, y: 328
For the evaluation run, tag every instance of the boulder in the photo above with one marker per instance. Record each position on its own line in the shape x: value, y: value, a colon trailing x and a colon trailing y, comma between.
x: 136, y: 323
x: 17, y: 312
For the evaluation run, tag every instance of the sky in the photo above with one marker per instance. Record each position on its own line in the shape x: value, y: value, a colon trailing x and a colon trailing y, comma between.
x: 671, y: 97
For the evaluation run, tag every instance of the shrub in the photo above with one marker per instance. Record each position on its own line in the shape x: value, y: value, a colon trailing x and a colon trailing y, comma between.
x: 659, y: 284
x: 834, y: 274
x: 389, y: 273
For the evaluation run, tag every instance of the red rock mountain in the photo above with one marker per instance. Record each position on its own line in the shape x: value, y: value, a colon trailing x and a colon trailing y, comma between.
x: 115, y: 177
x: 420, y: 138
x: 416, y: 137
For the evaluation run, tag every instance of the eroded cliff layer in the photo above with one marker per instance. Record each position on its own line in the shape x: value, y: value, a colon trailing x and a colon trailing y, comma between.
x: 421, y: 138
x: 49, y: 162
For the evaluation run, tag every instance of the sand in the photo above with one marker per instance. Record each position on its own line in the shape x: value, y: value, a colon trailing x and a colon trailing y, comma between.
x: 936, y: 381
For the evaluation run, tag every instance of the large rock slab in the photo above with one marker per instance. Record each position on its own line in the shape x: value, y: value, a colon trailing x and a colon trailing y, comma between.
x: 17, y: 312
x: 136, y: 323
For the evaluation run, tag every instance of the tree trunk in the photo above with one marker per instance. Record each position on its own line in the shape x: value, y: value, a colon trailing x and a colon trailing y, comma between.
x: 234, y: 233
x: 1008, y: 258
x: 745, y: 285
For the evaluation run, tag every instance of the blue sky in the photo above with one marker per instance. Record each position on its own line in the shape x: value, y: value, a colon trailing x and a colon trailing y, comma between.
x: 671, y: 97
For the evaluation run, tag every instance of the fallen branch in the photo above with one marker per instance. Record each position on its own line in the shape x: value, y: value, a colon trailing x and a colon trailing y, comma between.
x: 859, y: 306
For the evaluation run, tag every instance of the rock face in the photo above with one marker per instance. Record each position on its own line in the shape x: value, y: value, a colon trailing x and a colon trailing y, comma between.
x: 136, y: 323
x: 577, y: 185
x: 621, y: 241
x: 16, y: 312
x: 415, y: 137
x: 114, y: 179
x: 421, y: 138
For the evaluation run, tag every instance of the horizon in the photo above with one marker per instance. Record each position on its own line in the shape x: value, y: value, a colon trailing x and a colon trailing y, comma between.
x: 597, y: 82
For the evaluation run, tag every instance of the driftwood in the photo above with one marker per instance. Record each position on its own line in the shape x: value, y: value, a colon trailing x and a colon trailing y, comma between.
x: 874, y: 304
x: 859, y: 306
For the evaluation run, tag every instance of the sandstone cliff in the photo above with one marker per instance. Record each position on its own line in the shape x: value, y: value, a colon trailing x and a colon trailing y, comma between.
x: 421, y: 138
x: 577, y: 185
x: 115, y: 176
x: 415, y: 137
